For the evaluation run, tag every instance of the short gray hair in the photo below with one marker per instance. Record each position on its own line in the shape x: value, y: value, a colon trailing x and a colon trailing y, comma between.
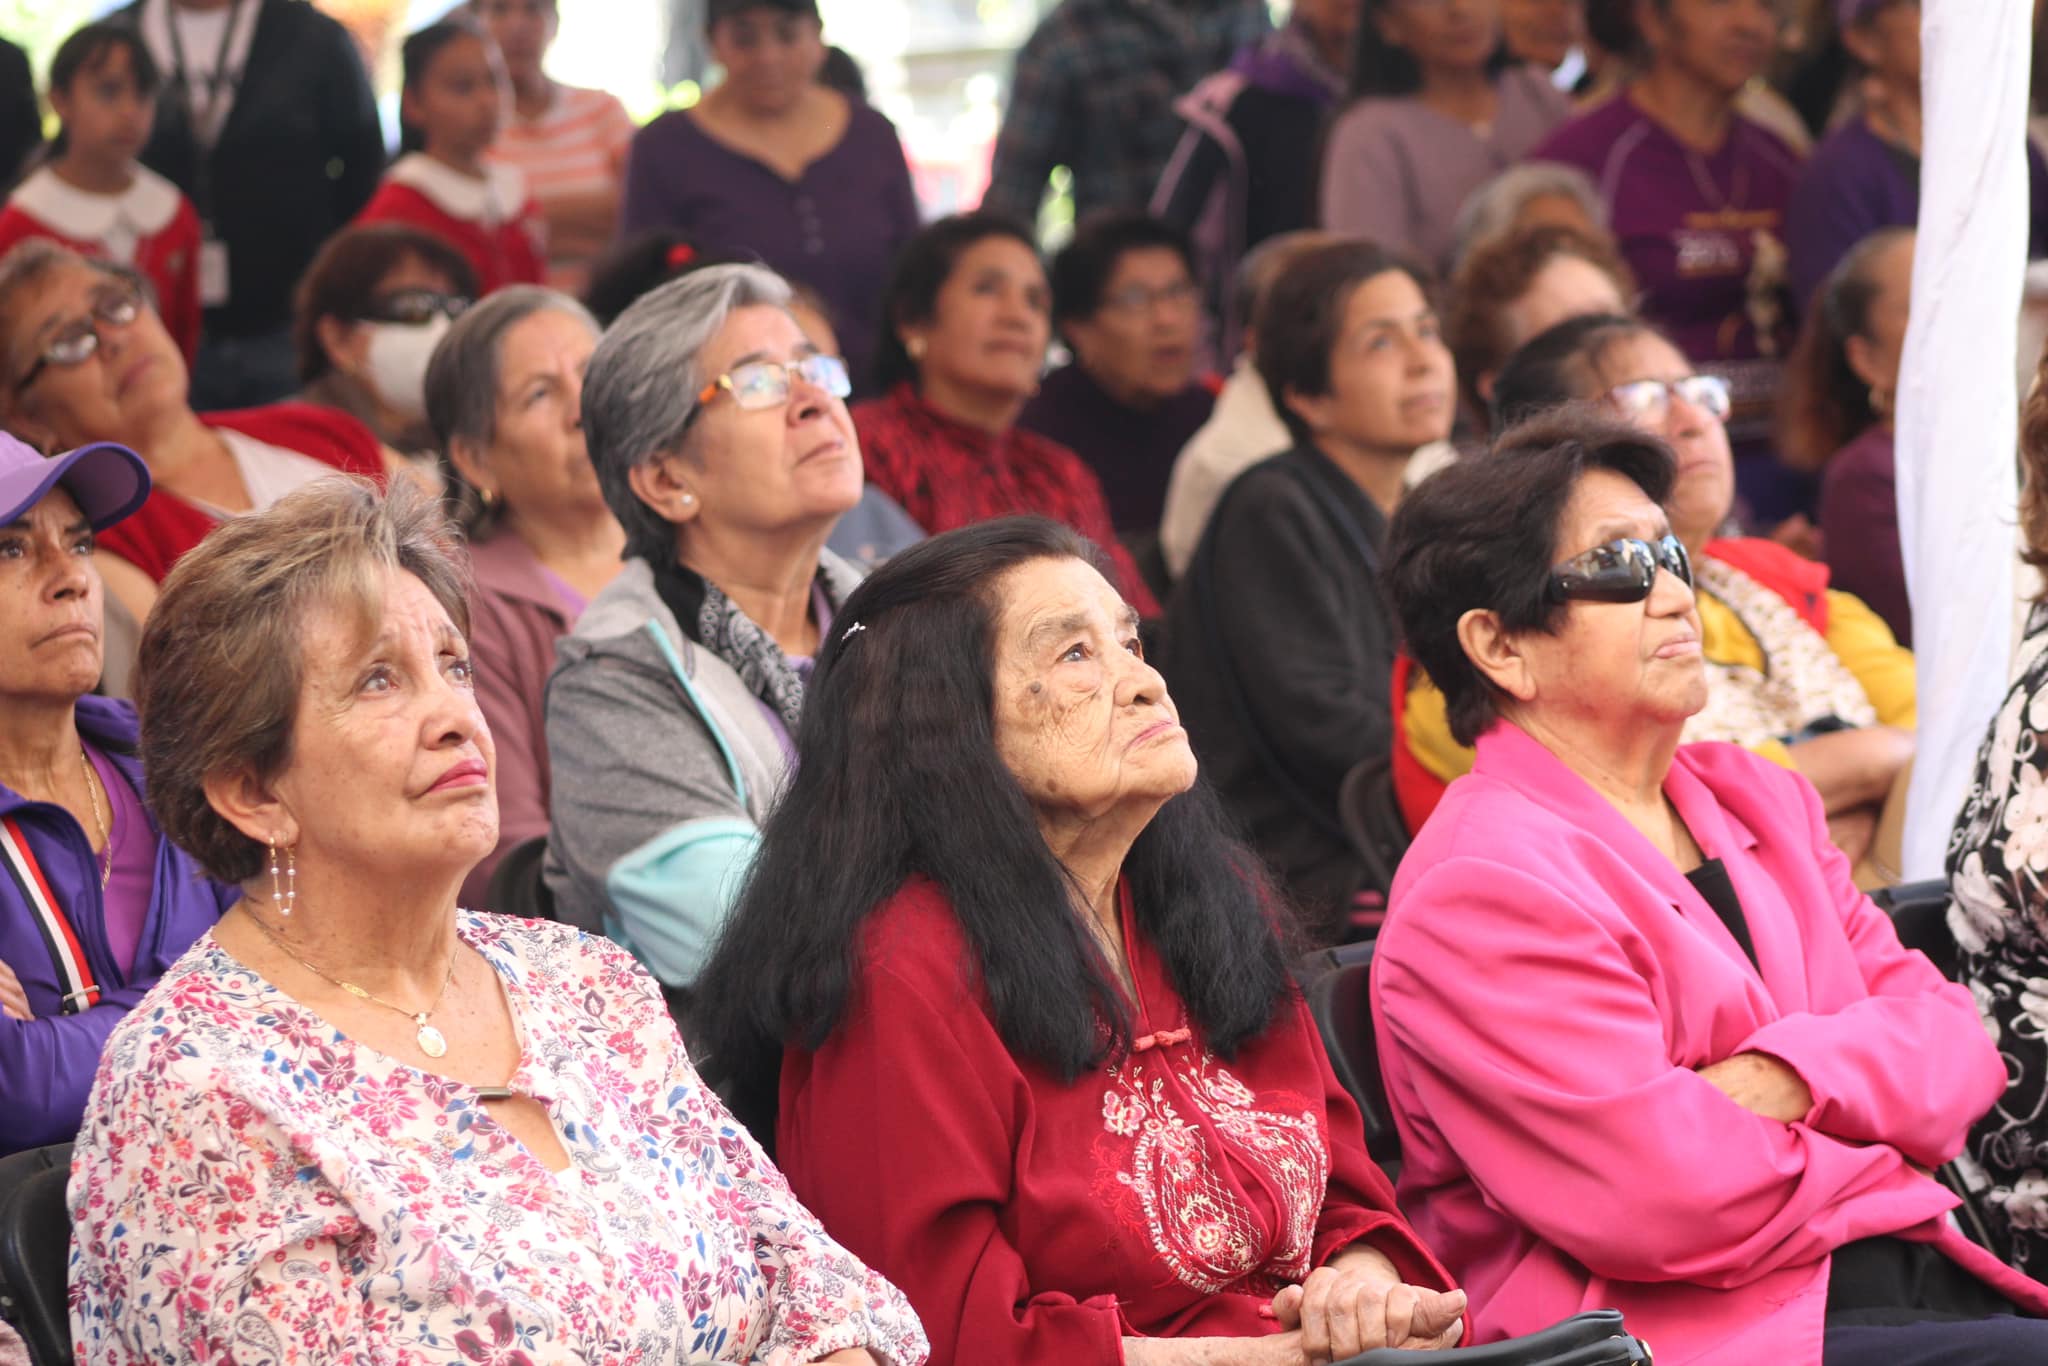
x: 641, y: 389
x: 31, y: 260
x: 464, y: 373
x: 1492, y: 210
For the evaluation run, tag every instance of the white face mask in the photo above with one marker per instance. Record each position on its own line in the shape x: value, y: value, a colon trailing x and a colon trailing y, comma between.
x: 396, y: 363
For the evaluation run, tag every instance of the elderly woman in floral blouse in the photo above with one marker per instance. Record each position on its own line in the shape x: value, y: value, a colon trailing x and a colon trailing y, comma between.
x: 354, y: 1123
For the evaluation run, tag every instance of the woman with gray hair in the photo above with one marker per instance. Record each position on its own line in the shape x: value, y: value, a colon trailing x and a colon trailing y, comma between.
x: 504, y: 395
x: 1535, y: 194
x: 723, y: 446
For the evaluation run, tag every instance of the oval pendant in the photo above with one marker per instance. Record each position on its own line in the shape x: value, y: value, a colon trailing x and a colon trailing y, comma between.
x: 430, y: 1041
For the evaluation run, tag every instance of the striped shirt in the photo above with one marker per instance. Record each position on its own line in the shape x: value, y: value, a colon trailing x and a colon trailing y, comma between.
x: 577, y: 146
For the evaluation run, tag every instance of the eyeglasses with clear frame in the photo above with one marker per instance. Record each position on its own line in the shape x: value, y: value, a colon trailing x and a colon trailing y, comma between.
x: 767, y: 383
x: 1649, y: 400
x: 77, y: 341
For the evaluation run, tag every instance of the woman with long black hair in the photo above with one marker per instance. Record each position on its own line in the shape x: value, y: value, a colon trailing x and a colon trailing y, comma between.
x: 978, y: 957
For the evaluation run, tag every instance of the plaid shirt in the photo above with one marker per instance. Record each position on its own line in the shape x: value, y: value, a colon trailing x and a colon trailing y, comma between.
x: 1094, y: 91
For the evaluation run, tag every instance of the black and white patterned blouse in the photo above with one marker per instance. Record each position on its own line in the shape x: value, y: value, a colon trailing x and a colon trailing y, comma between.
x: 1998, y: 875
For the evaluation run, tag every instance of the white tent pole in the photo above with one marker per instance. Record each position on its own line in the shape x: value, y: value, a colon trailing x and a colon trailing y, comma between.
x: 1957, y: 413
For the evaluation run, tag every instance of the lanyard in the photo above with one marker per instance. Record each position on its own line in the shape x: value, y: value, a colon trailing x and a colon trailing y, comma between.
x: 74, y: 973
x: 220, y: 95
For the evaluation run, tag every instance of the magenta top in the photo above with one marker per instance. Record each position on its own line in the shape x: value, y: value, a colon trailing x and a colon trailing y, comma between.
x: 133, y: 840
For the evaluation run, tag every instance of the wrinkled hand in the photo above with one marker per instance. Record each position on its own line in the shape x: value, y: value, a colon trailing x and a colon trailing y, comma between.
x: 13, y: 1000
x: 1353, y: 1306
x: 1761, y: 1085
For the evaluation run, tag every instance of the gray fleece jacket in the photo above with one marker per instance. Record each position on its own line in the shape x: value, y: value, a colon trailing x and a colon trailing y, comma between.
x: 664, y: 767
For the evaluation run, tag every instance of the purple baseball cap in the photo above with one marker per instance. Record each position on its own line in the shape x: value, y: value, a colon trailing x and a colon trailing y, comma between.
x: 106, y: 481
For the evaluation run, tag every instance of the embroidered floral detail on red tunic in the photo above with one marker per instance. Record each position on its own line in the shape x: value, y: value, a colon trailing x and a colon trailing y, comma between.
x: 1181, y: 1183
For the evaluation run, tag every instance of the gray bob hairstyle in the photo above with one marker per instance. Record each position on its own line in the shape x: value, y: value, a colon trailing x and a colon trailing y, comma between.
x: 641, y: 389
x: 463, y: 378
x: 1491, y: 211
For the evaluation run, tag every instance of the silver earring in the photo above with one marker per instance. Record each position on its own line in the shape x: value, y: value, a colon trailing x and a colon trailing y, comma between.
x: 284, y: 884
x: 689, y: 498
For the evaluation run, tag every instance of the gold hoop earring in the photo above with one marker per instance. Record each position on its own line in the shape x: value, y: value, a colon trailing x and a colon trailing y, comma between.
x: 284, y: 884
x: 489, y: 498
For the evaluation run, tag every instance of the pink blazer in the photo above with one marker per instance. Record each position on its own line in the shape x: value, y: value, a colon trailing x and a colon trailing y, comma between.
x: 1547, y: 983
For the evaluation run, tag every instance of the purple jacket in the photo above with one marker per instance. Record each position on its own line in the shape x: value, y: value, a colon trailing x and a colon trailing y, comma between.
x: 47, y: 1064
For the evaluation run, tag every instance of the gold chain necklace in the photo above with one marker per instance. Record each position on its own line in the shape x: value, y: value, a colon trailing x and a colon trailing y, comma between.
x: 431, y: 1041
x: 92, y: 795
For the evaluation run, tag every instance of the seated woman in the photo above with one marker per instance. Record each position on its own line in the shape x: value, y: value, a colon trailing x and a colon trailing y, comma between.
x: 388, y: 1129
x: 969, y: 315
x: 1439, y: 107
x: 1514, y: 287
x: 876, y: 528
x: 504, y: 395
x: 1646, y: 1045
x: 95, y: 903
x: 723, y: 447
x: 994, y: 894
x: 87, y: 359
x: 1279, y: 642
x: 2000, y: 910
x: 1835, y: 416
x: 1804, y: 675
x: 367, y: 316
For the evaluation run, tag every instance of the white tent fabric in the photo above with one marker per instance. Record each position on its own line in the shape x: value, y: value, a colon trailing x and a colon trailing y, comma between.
x: 1957, y: 414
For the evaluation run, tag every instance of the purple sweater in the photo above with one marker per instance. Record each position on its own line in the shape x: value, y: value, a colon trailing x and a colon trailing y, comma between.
x: 837, y: 227
x: 47, y: 1064
x: 1856, y: 183
x: 1859, y: 522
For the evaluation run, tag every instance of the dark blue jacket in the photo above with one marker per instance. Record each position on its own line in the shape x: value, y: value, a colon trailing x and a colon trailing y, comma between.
x: 47, y: 1064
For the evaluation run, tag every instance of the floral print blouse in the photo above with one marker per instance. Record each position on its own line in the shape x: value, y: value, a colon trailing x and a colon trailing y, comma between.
x: 252, y: 1187
x: 1998, y: 878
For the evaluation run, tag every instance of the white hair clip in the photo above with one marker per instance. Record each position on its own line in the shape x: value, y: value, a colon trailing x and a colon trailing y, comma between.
x: 848, y: 633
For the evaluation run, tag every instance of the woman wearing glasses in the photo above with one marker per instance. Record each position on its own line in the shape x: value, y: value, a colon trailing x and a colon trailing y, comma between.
x: 370, y: 310
x: 1645, y: 1043
x: 504, y: 395
x: 85, y: 358
x: 1808, y: 677
x: 723, y: 446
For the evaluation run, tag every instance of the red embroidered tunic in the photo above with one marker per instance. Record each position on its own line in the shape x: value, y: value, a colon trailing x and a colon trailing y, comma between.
x: 947, y: 474
x: 1034, y: 1221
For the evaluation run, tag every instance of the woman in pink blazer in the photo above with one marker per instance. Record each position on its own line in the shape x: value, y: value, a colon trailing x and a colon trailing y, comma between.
x: 1646, y: 1045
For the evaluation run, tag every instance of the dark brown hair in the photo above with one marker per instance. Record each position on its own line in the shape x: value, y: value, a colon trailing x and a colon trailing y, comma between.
x: 1481, y: 535
x: 343, y: 280
x: 1310, y: 295
x: 1824, y: 403
x: 2034, y: 472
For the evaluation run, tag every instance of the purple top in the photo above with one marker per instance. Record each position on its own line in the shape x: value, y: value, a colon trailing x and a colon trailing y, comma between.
x: 133, y: 872
x: 573, y: 602
x: 1397, y: 171
x: 1856, y: 183
x: 837, y: 227
x: 1131, y: 450
x: 1704, y: 234
x: 1859, y: 523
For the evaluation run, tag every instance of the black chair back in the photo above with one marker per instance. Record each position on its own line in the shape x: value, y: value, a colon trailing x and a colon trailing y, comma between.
x: 1370, y: 813
x: 35, y: 1250
x: 516, y: 887
x: 1594, y: 1338
x: 1336, y: 983
x: 1919, y: 912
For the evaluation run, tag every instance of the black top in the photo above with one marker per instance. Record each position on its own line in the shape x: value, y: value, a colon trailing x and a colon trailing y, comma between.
x: 1711, y: 881
x: 300, y: 154
x: 1279, y: 651
x: 21, y: 121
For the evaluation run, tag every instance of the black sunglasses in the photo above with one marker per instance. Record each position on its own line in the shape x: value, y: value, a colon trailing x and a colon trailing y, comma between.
x: 414, y: 307
x: 1623, y: 570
